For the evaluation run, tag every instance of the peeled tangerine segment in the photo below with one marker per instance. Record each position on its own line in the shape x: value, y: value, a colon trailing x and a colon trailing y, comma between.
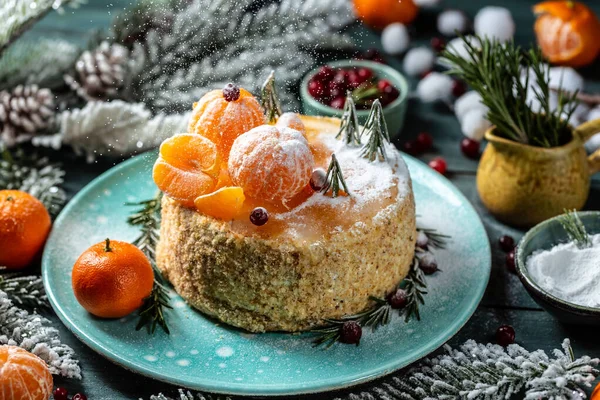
x: 191, y: 152
x: 181, y: 185
x: 225, y: 203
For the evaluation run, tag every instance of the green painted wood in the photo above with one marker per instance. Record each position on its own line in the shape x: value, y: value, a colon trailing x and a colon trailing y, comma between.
x: 505, y: 302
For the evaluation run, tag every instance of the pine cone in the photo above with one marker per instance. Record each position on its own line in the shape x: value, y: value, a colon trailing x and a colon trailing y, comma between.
x: 25, y: 112
x: 100, y: 73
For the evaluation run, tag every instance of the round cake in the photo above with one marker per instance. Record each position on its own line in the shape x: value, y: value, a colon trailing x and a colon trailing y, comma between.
x: 318, y: 257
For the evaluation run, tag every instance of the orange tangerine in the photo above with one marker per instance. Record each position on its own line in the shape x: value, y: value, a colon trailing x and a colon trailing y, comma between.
x: 225, y: 203
x: 291, y: 120
x: 188, y: 167
x: 380, y: 13
x: 271, y: 163
x: 223, y: 115
x: 567, y: 32
x: 23, y: 375
x: 111, y: 279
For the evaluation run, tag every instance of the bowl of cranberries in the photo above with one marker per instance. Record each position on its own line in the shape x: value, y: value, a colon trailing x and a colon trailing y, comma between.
x: 324, y: 91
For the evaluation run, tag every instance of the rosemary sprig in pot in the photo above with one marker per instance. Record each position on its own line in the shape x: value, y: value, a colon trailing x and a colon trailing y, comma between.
x: 506, y: 77
x: 575, y: 229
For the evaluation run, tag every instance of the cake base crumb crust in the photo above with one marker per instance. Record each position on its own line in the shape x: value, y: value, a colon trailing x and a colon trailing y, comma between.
x: 282, y: 284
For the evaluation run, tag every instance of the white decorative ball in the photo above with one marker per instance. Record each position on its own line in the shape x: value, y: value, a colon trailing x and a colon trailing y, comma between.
x: 475, y: 123
x: 495, y: 23
x: 565, y: 78
x: 593, y: 114
x: 467, y: 102
x: 435, y: 86
x: 450, y: 22
x: 458, y: 47
x: 426, y: 3
x: 418, y: 61
x: 593, y: 143
x: 395, y: 39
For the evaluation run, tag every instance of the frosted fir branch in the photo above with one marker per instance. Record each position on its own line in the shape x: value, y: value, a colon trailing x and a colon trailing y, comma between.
x: 34, y: 175
x: 187, y: 395
x: 25, y: 291
x: 39, y: 62
x: 17, y: 16
x: 34, y: 333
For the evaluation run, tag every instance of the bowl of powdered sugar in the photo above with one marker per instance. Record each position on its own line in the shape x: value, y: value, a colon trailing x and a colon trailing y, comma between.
x: 558, y: 262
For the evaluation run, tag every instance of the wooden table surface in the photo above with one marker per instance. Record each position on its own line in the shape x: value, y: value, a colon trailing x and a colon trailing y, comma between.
x: 505, y: 301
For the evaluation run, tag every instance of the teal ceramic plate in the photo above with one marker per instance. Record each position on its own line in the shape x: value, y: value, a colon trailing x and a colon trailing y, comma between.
x: 205, y: 355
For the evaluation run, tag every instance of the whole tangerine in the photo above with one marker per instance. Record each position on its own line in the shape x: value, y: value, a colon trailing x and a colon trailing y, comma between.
x: 223, y: 115
x: 24, y: 227
x: 111, y: 279
x: 23, y: 375
x: 271, y: 163
x: 380, y: 13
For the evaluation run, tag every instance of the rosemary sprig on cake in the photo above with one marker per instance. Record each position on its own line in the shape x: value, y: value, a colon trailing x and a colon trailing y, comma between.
x: 575, y: 229
x: 408, y: 296
x: 506, y: 77
x: 334, y: 179
x: 377, y: 132
x: 269, y: 99
x: 349, y: 128
x: 147, y: 218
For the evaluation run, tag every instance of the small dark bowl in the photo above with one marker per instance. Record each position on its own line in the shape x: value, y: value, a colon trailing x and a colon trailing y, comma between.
x: 544, y: 236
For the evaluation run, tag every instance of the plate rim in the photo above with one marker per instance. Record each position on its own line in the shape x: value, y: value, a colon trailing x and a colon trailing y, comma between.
x: 243, y: 389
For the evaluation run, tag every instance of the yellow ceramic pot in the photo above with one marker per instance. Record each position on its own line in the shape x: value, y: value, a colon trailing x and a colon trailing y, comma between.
x: 524, y: 185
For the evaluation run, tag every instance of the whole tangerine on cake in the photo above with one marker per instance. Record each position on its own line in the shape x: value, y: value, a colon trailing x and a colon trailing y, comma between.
x: 188, y: 166
x: 223, y: 115
x: 271, y: 163
x: 23, y: 375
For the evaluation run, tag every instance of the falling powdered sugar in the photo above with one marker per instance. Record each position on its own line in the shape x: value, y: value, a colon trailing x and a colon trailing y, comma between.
x: 568, y: 272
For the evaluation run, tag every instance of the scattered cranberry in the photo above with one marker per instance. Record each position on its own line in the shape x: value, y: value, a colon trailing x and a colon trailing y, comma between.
x: 60, y: 393
x: 350, y: 333
x: 397, y: 299
x: 425, y: 141
x: 470, y: 148
x: 458, y: 88
x: 510, y: 261
x: 383, y: 84
x: 424, y: 74
x: 428, y: 264
x: 507, y: 243
x: 338, y: 102
x: 411, y: 147
x: 316, y: 89
x: 439, y: 164
x: 373, y: 55
x: 325, y: 73
x: 318, y: 179
x: 505, y: 335
x: 79, y: 396
x: 422, y: 241
x: 231, y: 92
x: 364, y: 74
x: 259, y: 216
x: 437, y: 44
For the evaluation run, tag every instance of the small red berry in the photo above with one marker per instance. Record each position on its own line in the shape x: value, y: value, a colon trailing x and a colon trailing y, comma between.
x: 340, y: 79
x: 397, y: 299
x: 470, y: 148
x: 458, y: 88
x: 439, y: 164
x: 505, y: 335
x: 316, y: 89
x: 507, y: 243
x: 510, y: 261
x: 424, y: 74
x: 318, y: 179
x: 259, y: 216
x: 422, y: 240
x: 231, y: 92
x: 364, y: 74
x: 60, y: 393
x: 79, y: 396
x: 338, y: 102
x: 411, y: 147
x: 428, y: 264
x: 354, y: 80
x: 372, y: 54
x: 325, y: 73
x: 425, y: 141
x: 383, y: 85
x: 437, y: 44
x: 350, y: 333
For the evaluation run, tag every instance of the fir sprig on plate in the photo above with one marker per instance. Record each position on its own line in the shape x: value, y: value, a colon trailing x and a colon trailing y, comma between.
x: 514, y: 85
x: 575, y: 229
x: 349, y: 127
x: 269, y: 99
x: 377, y: 132
x: 147, y: 218
x: 413, y: 291
x: 334, y: 179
